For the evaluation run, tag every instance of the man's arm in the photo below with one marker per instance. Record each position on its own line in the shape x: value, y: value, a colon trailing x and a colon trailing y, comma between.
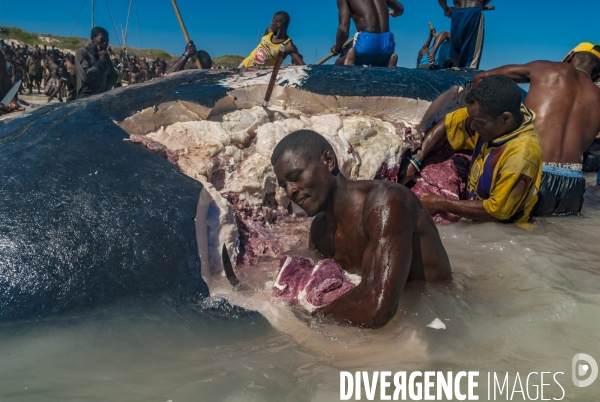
x: 472, y: 209
x: 87, y: 70
x: 431, y: 139
x: 444, y: 5
x: 425, y: 48
x: 343, y: 28
x: 389, y: 224
x: 292, y: 50
x: 442, y: 37
x: 190, y: 51
x: 396, y: 7
x: 518, y: 73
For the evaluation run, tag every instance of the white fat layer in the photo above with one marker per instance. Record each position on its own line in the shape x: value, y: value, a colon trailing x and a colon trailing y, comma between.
x: 278, y: 279
x: 290, y: 77
x: 205, y: 146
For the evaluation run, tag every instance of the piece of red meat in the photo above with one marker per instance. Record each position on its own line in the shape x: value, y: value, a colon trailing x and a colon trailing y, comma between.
x: 327, y: 283
x: 310, y: 286
x: 444, y: 173
x: 294, y: 274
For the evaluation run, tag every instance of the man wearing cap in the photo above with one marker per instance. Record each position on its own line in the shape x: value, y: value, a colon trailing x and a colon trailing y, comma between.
x: 565, y: 99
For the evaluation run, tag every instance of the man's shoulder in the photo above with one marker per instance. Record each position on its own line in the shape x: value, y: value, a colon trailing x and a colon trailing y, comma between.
x: 83, y: 50
x: 547, y: 66
x: 526, y: 147
x: 387, y: 191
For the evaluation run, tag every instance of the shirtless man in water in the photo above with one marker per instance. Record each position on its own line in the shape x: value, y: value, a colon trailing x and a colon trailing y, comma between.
x: 376, y: 229
x: 374, y: 43
x: 565, y: 99
x: 466, y: 31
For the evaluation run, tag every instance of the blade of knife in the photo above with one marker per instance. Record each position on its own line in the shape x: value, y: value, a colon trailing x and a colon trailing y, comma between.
x: 11, y: 94
x: 229, y: 267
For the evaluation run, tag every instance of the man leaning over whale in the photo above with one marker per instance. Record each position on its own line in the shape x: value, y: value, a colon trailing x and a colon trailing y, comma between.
x: 506, y: 167
x: 376, y: 229
x: 565, y: 99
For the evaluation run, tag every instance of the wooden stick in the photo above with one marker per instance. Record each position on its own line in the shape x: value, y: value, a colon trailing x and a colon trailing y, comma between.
x: 435, y: 34
x: 278, y: 63
x: 333, y: 54
x: 489, y: 8
x: 185, y: 34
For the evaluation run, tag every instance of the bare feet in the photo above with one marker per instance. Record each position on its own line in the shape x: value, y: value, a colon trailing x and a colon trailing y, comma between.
x: 393, y: 61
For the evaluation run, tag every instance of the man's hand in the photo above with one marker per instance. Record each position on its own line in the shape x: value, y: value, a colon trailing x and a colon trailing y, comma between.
x: 103, y: 54
x: 334, y: 50
x: 448, y: 12
x: 190, y: 49
x: 432, y: 203
x: 395, y: 14
x: 431, y: 57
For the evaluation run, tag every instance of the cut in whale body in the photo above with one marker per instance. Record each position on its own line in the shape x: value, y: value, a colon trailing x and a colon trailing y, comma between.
x: 228, y: 149
x: 74, y: 238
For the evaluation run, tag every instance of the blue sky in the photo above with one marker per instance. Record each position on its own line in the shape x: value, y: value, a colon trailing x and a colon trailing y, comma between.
x: 517, y: 32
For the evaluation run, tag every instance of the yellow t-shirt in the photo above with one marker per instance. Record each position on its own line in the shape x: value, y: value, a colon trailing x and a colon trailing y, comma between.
x: 265, y: 53
x: 497, y: 166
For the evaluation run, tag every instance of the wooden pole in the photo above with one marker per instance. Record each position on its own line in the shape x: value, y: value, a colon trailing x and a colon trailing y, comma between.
x: 185, y: 34
x: 127, y: 29
x: 278, y: 63
x: 330, y: 55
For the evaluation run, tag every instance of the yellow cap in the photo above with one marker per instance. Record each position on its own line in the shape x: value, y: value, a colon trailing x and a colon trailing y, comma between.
x: 585, y: 47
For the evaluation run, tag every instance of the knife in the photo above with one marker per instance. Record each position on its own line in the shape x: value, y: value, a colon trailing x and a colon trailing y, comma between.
x: 11, y: 94
x: 229, y: 268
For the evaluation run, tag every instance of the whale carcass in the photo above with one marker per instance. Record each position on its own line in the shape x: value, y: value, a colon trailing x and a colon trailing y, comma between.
x: 133, y: 192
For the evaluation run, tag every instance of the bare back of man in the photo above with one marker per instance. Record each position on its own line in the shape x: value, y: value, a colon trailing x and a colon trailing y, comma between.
x: 370, y: 16
x: 565, y: 99
x: 469, y: 3
x: 566, y: 103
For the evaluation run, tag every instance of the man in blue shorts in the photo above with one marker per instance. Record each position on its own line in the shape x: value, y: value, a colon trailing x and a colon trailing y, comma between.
x: 373, y: 43
x: 466, y: 31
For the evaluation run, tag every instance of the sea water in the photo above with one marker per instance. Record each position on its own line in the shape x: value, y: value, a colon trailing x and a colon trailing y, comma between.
x: 522, y: 300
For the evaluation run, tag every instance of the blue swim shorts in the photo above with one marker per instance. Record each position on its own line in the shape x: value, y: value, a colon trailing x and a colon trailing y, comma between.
x: 374, y: 49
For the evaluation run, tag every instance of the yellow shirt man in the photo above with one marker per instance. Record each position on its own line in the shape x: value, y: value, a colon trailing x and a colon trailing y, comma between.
x: 497, y: 166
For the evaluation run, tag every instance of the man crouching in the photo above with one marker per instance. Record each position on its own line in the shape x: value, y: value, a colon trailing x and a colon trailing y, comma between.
x: 376, y: 229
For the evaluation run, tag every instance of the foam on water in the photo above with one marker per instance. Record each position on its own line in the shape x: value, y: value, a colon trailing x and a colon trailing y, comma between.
x: 523, y: 299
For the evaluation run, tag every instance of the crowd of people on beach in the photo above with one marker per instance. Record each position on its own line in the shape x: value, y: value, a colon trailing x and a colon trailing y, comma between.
x: 53, y: 73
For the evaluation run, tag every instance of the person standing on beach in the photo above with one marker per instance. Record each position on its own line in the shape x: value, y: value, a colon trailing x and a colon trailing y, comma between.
x: 466, y: 31
x: 34, y: 67
x: 69, y: 65
x: 373, y: 43
x: 94, y: 70
x: 566, y: 100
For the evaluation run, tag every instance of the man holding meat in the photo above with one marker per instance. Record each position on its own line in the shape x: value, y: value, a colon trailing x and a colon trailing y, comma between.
x: 376, y: 229
x: 506, y: 168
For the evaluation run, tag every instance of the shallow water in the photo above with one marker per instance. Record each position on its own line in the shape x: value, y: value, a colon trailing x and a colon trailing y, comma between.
x: 523, y: 299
